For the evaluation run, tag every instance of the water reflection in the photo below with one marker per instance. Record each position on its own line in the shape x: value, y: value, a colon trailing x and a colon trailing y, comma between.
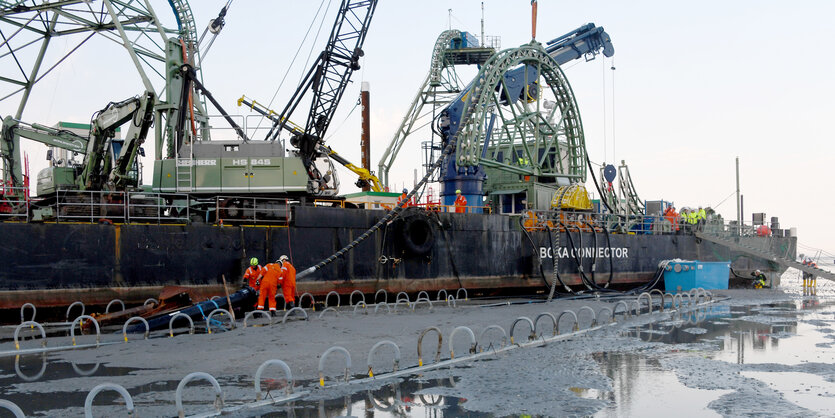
x: 784, y: 333
x: 395, y: 399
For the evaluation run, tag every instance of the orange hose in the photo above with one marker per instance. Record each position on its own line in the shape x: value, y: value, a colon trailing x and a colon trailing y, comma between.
x: 190, y: 102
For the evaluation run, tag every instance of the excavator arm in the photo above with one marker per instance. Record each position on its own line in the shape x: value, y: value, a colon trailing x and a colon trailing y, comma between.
x: 13, y: 130
x: 141, y: 121
x: 97, y: 168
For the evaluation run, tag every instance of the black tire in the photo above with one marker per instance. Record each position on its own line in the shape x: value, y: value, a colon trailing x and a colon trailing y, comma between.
x: 417, y: 235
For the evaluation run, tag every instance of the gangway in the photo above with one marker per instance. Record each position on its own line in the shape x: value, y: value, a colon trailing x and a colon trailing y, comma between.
x: 766, y: 255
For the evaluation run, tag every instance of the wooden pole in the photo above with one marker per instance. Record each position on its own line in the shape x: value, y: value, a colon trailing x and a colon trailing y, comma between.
x: 228, y: 301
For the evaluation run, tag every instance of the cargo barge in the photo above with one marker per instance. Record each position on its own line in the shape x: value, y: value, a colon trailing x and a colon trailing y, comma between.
x: 56, y: 264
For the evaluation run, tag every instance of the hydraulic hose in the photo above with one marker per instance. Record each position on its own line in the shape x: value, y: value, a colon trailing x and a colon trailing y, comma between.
x: 556, y: 273
x: 597, y: 185
x: 609, y: 247
x: 593, y: 253
x: 611, y: 262
x: 533, y: 245
x: 575, y: 252
x: 590, y: 284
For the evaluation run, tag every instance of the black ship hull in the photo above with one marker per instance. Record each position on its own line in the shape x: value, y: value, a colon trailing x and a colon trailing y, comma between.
x: 56, y: 264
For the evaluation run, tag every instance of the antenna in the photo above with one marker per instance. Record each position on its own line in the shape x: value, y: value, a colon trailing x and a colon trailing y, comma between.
x: 450, y: 19
x: 482, y: 24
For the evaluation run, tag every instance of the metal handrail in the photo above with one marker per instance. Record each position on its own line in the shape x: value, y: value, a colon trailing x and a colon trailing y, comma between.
x: 14, y: 203
x: 486, y: 210
x: 533, y: 220
x: 162, y: 212
x: 270, y: 211
x: 110, y: 205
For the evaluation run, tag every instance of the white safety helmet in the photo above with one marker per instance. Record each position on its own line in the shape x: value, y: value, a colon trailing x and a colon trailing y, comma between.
x: 283, y: 258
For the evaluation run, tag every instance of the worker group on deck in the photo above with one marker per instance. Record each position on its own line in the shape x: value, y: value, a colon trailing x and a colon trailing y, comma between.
x: 688, y: 220
x: 266, y: 280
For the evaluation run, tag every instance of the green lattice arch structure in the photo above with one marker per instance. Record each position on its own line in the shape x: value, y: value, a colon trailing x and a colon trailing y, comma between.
x: 439, y: 61
x: 29, y: 30
x: 541, y: 135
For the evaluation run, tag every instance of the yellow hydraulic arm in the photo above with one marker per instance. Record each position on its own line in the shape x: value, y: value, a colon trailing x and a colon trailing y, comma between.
x: 365, y: 176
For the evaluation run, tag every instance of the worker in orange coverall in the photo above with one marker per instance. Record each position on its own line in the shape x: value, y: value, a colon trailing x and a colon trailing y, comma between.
x: 460, y: 202
x: 253, y: 273
x: 287, y: 281
x: 269, y: 286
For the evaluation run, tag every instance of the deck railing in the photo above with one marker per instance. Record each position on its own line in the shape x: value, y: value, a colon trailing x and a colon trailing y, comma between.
x: 645, y: 224
x: 14, y: 204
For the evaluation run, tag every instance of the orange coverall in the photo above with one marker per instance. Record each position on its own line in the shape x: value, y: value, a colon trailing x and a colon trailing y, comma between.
x: 251, y: 275
x: 672, y: 217
x: 287, y: 280
x: 269, y: 286
x: 460, y: 204
x: 402, y: 198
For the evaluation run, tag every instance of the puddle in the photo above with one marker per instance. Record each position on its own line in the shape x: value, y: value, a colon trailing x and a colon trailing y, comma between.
x: 637, y: 383
x: 24, y: 376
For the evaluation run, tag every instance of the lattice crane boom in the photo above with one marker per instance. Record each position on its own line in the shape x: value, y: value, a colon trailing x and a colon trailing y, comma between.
x: 329, y: 76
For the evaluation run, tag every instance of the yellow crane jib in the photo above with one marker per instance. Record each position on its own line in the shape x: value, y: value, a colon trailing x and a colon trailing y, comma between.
x: 268, y: 113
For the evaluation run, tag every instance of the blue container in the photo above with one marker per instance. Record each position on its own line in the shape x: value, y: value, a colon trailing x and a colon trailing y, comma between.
x: 686, y: 275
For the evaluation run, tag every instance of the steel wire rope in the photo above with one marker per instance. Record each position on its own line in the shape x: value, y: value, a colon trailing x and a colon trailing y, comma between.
x: 614, y: 119
x: 723, y: 200
x: 290, y: 67
x: 341, y: 124
x: 597, y: 185
x: 605, y: 139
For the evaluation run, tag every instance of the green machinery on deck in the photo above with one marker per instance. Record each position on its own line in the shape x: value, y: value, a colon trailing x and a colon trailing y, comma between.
x: 188, y: 163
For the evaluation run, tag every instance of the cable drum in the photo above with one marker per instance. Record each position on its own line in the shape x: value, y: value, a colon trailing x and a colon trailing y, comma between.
x: 416, y: 233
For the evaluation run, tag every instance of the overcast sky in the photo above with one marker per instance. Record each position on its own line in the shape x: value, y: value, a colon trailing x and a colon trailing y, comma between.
x: 696, y: 85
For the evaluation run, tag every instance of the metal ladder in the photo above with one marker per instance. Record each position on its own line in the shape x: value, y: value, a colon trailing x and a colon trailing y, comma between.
x: 183, y: 173
x: 767, y: 255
